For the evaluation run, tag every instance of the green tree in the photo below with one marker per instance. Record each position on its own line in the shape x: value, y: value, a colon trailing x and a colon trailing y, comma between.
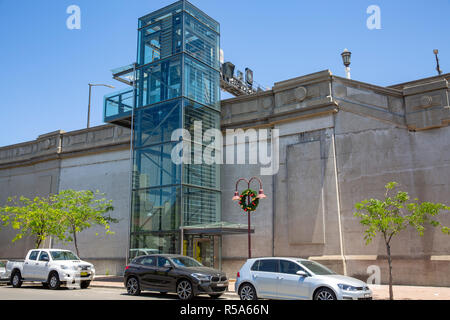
x: 32, y: 217
x: 81, y: 210
x: 395, y: 213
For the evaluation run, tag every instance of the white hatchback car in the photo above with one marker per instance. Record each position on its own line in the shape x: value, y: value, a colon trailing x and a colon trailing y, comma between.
x: 295, y: 278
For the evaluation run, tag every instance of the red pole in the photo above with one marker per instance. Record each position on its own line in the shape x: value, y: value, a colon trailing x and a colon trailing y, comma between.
x: 249, y: 241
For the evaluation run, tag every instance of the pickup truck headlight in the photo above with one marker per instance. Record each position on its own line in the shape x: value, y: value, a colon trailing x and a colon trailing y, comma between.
x: 347, y: 287
x: 201, y: 277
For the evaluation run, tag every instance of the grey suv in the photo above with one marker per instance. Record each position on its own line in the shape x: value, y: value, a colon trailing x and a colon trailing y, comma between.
x: 295, y: 278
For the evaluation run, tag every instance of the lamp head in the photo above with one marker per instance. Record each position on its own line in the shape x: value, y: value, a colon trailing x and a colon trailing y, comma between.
x: 346, y: 57
x: 261, y: 194
x: 236, y: 196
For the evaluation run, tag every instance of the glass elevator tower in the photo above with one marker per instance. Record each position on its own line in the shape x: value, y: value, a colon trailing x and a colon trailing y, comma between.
x: 176, y: 82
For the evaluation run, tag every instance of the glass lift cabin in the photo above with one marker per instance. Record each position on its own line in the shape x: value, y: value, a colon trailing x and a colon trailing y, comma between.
x: 175, y: 81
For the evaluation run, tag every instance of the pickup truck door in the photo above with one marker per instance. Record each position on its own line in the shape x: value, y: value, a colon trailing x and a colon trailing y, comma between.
x: 30, y: 264
x: 42, y: 266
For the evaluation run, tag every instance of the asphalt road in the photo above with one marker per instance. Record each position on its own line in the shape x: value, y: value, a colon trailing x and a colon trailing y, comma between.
x: 37, y: 292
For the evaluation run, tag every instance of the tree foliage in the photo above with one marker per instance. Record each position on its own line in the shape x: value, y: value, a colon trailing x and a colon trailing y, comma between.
x: 61, y: 215
x: 35, y: 217
x: 395, y: 213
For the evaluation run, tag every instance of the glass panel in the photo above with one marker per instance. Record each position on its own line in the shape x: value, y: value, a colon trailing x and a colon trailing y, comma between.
x: 160, y: 40
x: 118, y: 104
x: 162, y: 13
x: 159, y: 81
x: 200, y: 206
x: 201, y: 83
x: 157, y: 243
x: 156, y: 209
x: 153, y: 166
x: 155, y: 124
x: 210, y: 119
x: 204, y: 18
x: 201, y: 42
x: 202, y: 175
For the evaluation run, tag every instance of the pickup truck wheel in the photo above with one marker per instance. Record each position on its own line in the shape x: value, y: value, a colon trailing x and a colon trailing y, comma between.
x: 85, y: 284
x: 16, y: 279
x: 53, y: 282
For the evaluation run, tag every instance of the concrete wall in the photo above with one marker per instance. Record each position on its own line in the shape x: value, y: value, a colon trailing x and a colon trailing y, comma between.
x: 95, y: 158
x: 341, y: 141
x: 108, y: 173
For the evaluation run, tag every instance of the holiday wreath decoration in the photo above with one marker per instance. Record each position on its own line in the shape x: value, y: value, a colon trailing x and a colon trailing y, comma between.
x: 248, y: 200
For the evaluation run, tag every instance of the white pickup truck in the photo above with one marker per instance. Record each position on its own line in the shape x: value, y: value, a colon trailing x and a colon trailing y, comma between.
x: 52, y: 267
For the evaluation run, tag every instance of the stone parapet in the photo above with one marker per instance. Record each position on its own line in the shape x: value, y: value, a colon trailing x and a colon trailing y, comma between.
x: 55, y: 144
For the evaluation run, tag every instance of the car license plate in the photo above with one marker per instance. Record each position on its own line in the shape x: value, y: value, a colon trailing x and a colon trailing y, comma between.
x: 83, y: 274
x: 366, y: 295
x: 221, y: 284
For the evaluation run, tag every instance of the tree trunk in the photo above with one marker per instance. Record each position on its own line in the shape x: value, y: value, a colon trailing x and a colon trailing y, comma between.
x: 75, y: 241
x: 37, y: 243
x: 391, y: 293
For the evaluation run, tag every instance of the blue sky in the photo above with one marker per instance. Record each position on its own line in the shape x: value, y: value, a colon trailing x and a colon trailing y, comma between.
x: 46, y: 67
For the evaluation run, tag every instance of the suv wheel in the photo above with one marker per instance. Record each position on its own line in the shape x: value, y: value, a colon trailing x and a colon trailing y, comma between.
x: 133, y: 287
x: 184, y: 290
x: 53, y: 282
x: 324, y: 294
x: 16, y: 279
x: 247, y: 292
x: 85, y: 284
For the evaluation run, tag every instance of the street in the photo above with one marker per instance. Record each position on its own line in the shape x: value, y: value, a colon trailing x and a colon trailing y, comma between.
x: 37, y: 292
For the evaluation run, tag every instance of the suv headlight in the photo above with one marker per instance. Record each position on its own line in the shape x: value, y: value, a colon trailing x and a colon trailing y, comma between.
x: 347, y: 287
x: 201, y: 277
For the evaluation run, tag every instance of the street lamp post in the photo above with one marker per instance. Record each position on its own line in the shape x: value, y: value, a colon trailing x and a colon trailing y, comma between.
x: 346, y: 60
x: 438, y: 69
x: 89, y: 104
x: 236, y: 197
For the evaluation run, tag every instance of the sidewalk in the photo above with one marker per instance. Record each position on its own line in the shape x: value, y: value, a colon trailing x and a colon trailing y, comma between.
x: 380, y: 292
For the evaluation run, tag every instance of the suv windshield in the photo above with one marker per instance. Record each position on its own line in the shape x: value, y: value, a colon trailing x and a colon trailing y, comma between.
x: 186, y: 262
x: 63, y: 255
x: 316, y: 268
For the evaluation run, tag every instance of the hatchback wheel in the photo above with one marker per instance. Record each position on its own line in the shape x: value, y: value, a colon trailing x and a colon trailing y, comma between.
x: 184, y: 290
x: 324, y: 294
x: 133, y: 287
x: 247, y: 292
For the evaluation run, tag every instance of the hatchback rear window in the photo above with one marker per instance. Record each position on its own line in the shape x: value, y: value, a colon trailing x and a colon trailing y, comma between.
x: 268, y: 265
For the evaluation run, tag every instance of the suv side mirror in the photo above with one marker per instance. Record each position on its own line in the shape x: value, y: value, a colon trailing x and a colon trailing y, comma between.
x: 167, y: 265
x: 301, y: 273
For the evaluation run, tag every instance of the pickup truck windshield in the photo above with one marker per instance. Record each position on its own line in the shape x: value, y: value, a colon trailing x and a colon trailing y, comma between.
x: 63, y: 255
